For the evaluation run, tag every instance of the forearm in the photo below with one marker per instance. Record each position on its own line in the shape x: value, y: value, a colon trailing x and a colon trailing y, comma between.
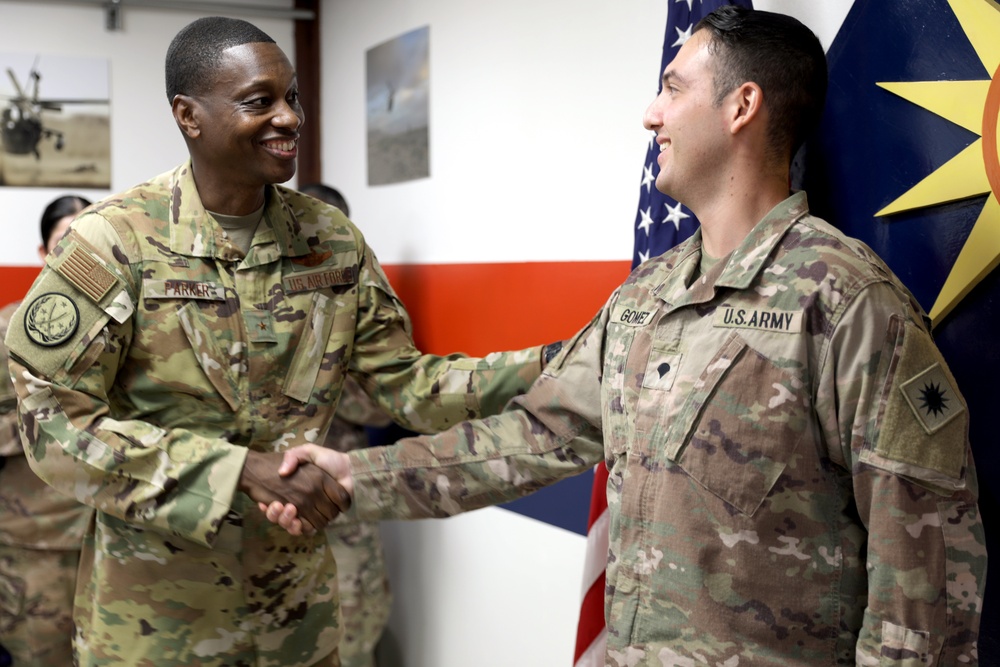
x: 926, y: 562
x: 552, y: 431
x: 478, y: 464
x: 170, y: 480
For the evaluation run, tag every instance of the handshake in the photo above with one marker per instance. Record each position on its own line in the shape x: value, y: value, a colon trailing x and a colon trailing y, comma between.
x: 302, y: 499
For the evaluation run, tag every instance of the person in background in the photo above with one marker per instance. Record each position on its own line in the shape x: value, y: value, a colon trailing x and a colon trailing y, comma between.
x: 365, y: 596
x: 41, y: 529
x: 790, y: 476
x: 186, y: 332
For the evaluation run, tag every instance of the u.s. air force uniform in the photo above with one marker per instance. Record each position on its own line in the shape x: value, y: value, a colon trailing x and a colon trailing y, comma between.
x: 151, y: 354
x: 41, y: 531
x: 790, y: 477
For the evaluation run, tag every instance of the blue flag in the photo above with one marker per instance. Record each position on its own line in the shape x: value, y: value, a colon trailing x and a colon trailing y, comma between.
x: 662, y: 222
x: 906, y: 160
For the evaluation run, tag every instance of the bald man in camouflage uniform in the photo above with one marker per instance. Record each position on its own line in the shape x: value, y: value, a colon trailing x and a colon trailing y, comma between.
x: 181, y: 336
x: 791, y: 481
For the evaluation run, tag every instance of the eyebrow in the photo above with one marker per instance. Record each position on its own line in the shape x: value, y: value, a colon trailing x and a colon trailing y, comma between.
x: 671, y: 75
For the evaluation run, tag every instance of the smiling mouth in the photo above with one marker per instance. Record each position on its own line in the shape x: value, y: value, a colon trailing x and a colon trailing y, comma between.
x: 286, y: 146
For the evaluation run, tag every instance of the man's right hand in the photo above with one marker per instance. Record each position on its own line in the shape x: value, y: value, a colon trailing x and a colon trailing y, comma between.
x: 291, y: 516
x: 318, y: 497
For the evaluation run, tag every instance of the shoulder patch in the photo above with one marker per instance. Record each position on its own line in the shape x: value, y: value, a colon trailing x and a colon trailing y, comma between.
x: 932, y: 399
x: 922, y: 428
x: 86, y: 273
x: 51, y: 319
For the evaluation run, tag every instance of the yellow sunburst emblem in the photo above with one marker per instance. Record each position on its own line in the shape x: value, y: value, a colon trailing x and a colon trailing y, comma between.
x: 974, y: 105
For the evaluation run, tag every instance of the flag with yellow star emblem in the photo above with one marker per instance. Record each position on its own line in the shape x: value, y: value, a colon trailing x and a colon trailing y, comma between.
x: 907, y: 161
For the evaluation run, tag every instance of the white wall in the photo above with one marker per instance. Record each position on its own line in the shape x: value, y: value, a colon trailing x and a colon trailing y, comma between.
x: 144, y: 139
x: 536, y: 126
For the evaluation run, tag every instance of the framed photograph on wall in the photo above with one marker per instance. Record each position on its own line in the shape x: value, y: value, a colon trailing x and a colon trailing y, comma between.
x: 398, y: 108
x: 55, y: 121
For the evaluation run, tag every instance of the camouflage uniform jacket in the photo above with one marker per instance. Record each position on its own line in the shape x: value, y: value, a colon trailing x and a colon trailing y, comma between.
x: 148, y: 357
x: 790, y: 477
x: 32, y: 514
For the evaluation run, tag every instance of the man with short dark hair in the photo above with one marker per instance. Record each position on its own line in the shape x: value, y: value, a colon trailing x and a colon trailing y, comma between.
x: 180, y: 337
x: 790, y: 477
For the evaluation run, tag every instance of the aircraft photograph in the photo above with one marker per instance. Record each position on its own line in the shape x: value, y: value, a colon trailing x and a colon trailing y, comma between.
x: 55, y: 121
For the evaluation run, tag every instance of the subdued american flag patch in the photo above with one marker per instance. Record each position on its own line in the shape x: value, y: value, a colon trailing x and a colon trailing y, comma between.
x: 86, y: 273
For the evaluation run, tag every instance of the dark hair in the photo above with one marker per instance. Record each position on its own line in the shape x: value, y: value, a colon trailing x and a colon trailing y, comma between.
x: 327, y: 194
x: 57, y: 210
x: 780, y: 55
x: 197, y: 49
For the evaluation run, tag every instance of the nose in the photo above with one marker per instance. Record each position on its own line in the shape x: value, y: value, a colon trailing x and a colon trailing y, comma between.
x: 289, y: 115
x: 652, y: 118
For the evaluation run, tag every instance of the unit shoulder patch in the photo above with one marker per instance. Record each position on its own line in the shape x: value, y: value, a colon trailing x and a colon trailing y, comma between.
x: 921, y: 428
x: 51, y: 319
x: 932, y: 399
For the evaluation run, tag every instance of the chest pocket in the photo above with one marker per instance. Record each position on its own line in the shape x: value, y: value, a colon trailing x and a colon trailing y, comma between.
x: 211, y: 356
x: 739, y: 426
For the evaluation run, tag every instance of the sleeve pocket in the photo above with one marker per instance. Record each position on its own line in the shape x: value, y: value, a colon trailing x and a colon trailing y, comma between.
x: 305, y: 366
x: 902, y: 647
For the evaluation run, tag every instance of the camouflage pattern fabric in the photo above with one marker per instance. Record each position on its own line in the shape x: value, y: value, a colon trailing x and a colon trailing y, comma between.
x: 41, y: 531
x: 151, y: 353
x: 365, y: 597
x: 36, y: 605
x: 791, y: 481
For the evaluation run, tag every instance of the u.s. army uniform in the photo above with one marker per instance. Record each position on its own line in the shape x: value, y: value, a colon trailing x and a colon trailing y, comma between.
x: 151, y: 354
x: 41, y: 531
x: 790, y: 477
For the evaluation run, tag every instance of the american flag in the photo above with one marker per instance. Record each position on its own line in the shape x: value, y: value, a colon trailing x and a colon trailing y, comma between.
x: 660, y: 224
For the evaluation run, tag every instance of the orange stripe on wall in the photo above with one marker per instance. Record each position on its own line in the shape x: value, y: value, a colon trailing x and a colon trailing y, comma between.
x: 472, y: 308
x: 15, y: 281
x: 483, y: 308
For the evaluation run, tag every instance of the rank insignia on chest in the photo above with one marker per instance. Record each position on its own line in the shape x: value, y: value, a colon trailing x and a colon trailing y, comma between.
x: 661, y: 369
x: 932, y: 398
x: 762, y: 319
x: 260, y: 326
x: 51, y: 319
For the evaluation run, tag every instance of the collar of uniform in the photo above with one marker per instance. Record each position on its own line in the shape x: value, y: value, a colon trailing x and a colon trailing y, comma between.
x: 742, y: 265
x: 281, y: 227
x: 746, y: 261
x: 195, y: 233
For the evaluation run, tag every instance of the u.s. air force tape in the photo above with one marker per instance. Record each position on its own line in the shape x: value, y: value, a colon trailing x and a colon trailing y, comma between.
x: 51, y: 319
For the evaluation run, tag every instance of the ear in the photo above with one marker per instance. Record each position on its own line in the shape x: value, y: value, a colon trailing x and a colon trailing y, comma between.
x: 186, y: 110
x: 747, y: 104
x: 42, y: 253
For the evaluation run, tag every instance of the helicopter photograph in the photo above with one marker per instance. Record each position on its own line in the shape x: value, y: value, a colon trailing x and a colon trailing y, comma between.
x: 55, y: 121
